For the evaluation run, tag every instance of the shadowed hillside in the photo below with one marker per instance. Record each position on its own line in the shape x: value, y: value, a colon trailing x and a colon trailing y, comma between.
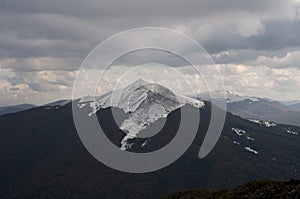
x: 251, y: 190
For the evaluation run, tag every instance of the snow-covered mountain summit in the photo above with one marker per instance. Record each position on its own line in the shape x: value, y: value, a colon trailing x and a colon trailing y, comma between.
x: 229, y: 96
x: 144, y: 102
x: 258, y: 108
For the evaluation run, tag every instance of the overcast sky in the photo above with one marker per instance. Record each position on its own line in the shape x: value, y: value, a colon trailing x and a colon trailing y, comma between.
x: 255, y: 44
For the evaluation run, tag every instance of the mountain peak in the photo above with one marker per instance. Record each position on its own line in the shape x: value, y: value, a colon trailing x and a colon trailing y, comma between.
x: 139, y: 82
x: 145, y: 102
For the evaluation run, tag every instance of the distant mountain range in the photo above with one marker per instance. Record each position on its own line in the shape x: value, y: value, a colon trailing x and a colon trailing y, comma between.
x: 293, y: 102
x: 259, y: 108
x: 282, y: 112
x: 43, y: 157
x: 58, y: 103
x: 14, y: 109
x: 23, y: 107
x: 295, y: 106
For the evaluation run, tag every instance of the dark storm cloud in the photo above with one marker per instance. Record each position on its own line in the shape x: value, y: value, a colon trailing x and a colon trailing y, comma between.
x: 96, y: 8
x: 72, y: 28
x: 277, y: 34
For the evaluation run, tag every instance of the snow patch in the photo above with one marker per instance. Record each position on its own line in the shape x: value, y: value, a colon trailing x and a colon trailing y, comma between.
x: 291, y: 132
x: 144, y: 143
x: 265, y: 123
x: 250, y: 138
x: 81, y: 105
x: 269, y: 124
x: 93, y: 106
x: 238, y: 131
x: 251, y: 150
x: 255, y: 121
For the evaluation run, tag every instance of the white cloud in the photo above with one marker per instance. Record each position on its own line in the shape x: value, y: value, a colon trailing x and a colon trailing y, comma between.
x: 291, y: 59
x: 36, y: 87
x: 43, y: 86
x: 249, y: 27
